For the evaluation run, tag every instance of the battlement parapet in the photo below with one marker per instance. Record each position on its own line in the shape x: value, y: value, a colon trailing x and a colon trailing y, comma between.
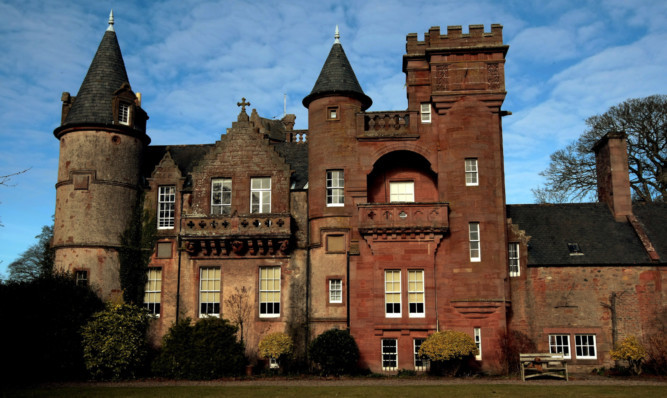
x: 455, y: 38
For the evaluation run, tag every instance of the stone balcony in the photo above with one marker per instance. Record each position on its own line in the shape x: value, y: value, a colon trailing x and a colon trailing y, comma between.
x: 403, y: 218
x: 257, y: 234
x: 389, y: 125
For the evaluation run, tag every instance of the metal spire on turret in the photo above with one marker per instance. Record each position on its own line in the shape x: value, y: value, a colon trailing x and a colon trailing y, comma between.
x: 337, y: 78
x: 110, y: 28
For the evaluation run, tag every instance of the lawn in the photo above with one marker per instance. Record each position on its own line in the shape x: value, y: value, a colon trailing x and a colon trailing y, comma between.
x: 383, y: 391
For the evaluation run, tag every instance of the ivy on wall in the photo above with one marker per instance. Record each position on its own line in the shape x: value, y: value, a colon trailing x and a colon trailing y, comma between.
x: 137, y: 245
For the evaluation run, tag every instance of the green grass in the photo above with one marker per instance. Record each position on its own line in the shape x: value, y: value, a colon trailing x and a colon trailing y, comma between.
x: 464, y: 390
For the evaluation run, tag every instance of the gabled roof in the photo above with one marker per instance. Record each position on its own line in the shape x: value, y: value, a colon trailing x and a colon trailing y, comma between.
x: 185, y: 157
x: 297, y: 157
x: 602, y: 240
x: 106, y: 74
x: 337, y: 78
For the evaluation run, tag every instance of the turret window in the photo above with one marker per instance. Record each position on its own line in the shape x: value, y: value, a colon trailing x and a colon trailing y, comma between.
x: 335, y: 188
x: 124, y: 114
x: 332, y: 113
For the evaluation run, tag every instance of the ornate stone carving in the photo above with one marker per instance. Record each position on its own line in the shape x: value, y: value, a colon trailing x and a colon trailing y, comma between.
x: 442, y: 77
x: 493, y: 76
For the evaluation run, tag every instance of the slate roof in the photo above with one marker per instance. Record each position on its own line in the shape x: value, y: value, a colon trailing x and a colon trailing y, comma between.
x: 106, y: 74
x: 602, y: 240
x: 186, y: 158
x: 337, y: 78
x: 654, y: 218
x: 297, y: 156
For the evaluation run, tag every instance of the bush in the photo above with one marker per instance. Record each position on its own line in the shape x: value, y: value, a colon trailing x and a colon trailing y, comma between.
x: 656, y: 345
x: 203, y: 351
x: 114, y: 342
x: 447, y: 350
x: 631, y: 350
x: 335, y: 351
x: 277, y: 346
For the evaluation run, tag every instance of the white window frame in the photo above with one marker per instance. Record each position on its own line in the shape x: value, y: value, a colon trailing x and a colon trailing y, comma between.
x: 166, y: 206
x: 475, y: 242
x: 153, y: 291
x: 209, y: 292
x: 416, y: 294
x: 335, y: 188
x: 472, y: 172
x: 585, y: 347
x: 477, y: 334
x: 514, y: 262
x: 392, y: 291
x: 335, y: 291
x: 425, y: 112
x: 124, y: 110
x: 269, y: 292
x: 560, y: 344
x: 421, y: 363
x: 389, y: 354
x: 221, y: 196
x: 260, y: 195
x: 402, y: 191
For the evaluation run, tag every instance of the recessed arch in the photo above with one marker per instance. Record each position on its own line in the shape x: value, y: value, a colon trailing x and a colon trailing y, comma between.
x: 401, y: 167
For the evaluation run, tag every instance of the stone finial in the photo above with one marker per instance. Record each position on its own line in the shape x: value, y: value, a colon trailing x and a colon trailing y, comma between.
x: 243, y: 116
x: 110, y: 28
x: 337, y: 36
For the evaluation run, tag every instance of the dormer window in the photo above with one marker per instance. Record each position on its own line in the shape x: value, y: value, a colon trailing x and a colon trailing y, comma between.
x: 574, y: 249
x: 124, y: 113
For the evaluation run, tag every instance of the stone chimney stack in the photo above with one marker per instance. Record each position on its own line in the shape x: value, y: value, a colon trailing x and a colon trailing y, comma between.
x: 611, y: 159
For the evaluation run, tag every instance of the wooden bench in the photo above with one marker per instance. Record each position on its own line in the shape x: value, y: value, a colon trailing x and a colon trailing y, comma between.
x: 543, y: 364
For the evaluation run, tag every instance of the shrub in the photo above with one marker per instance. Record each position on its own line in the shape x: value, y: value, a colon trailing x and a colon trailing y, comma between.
x: 631, y: 350
x: 656, y: 345
x: 277, y: 346
x: 203, y: 351
x: 114, y: 342
x: 335, y: 351
x: 447, y: 350
x: 44, y: 340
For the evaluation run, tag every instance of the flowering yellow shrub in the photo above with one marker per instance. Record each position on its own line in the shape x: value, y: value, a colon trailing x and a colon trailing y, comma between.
x: 448, y: 345
x: 276, y: 345
x: 632, y: 351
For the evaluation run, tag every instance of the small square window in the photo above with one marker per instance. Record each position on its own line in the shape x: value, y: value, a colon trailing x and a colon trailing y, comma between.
x: 574, y: 249
x: 402, y: 191
x: 81, y: 277
x: 332, y: 113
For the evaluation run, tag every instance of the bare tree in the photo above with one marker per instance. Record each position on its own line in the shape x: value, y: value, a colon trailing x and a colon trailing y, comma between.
x: 571, y: 175
x: 4, y: 181
x: 239, y: 306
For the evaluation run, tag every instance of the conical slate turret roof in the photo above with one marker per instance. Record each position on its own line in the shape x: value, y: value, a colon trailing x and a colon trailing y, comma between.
x: 105, y: 75
x: 337, y: 78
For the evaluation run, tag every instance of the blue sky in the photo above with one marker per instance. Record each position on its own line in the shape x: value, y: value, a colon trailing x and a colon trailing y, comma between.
x: 194, y: 60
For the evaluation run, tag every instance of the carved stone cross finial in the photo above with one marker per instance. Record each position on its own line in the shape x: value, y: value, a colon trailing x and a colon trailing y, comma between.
x: 243, y: 104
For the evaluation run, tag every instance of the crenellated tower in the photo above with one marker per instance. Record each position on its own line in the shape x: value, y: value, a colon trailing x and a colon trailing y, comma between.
x: 102, y: 137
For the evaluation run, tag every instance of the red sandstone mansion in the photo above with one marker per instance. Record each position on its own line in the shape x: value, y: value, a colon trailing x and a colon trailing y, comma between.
x: 391, y: 224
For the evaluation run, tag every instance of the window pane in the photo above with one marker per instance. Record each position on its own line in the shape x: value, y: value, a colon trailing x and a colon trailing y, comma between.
x: 209, y: 291
x: 269, y: 291
x: 402, y: 191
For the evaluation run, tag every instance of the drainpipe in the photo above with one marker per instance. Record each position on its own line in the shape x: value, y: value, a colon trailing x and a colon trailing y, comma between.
x: 178, y: 247
x: 347, y: 277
